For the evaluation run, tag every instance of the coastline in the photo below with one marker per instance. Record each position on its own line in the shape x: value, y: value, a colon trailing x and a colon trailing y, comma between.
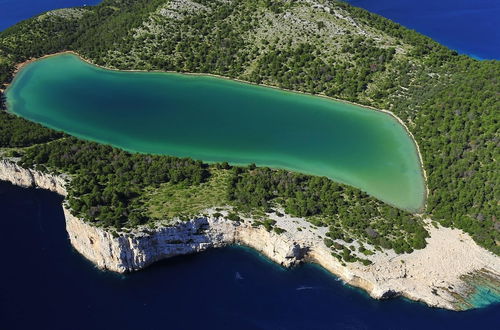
x: 19, y: 67
x: 441, y: 275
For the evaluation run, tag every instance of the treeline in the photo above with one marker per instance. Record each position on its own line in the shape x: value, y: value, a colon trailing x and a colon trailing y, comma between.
x: 109, y: 24
x: 6, y: 69
x: 94, y: 27
x: 449, y: 102
x: 3, y: 102
x: 303, y: 69
x: 348, y: 212
x: 107, y: 182
x: 424, y: 47
x: 16, y: 132
x: 455, y: 115
x: 37, y: 37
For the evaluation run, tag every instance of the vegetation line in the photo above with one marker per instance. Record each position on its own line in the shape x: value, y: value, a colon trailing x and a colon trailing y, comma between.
x: 447, y: 101
x: 19, y: 67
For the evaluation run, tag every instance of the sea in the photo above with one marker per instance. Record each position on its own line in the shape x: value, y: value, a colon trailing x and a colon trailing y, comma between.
x: 470, y: 27
x: 45, y: 284
x: 13, y: 11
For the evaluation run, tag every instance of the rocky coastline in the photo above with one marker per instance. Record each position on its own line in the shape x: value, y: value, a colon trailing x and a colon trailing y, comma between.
x: 441, y: 275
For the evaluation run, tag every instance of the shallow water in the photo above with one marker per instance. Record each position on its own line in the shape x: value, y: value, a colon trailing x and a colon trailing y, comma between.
x: 214, y: 119
x: 45, y: 284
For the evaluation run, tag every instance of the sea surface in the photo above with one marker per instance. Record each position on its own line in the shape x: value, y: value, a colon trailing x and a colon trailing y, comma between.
x: 45, y: 284
x: 14, y: 11
x: 215, y: 120
x: 468, y: 26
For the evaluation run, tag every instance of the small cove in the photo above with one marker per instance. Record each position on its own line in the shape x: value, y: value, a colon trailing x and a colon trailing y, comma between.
x: 214, y: 120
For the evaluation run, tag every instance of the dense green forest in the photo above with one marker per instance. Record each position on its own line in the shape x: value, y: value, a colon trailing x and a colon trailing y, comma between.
x: 107, y: 181
x: 343, y: 209
x: 449, y: 102
x: 16, y: 132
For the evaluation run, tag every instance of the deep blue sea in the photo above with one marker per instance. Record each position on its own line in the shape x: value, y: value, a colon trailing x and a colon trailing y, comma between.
x: 45, y: 284
x: 13, y: 11
x: 469, y: 26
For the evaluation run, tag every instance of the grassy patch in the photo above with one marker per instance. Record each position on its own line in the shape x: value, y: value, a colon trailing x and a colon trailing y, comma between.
x: 173, y: 200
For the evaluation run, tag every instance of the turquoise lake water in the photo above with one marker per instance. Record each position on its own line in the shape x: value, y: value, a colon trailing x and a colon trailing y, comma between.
x: 214, y: 120
x: 49, y: 286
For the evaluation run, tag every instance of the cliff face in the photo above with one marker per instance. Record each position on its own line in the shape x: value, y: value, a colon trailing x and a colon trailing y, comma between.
x: 29, y: 178
x: 445, y: 274
x: 415, y: 276
x: 136, y: 250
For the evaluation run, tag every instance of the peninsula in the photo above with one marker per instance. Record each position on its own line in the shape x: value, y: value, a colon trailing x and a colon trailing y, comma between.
x: 124, y: 211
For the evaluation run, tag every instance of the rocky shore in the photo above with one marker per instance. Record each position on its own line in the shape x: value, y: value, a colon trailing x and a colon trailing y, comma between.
x: 444, y: 274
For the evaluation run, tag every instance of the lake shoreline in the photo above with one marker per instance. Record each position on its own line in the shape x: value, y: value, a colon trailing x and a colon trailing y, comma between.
x: 444, y: 274
x: 416, y: 147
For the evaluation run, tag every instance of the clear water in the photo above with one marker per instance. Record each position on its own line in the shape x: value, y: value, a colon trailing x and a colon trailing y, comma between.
x: 45, y: 284
x: 485, y: 296
x: 469, y: 26
x: 216, y: 119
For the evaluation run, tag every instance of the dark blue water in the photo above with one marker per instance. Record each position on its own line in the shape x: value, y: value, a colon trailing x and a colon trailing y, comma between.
x: 13, y: 11
x: 44, y: 284
x: 469, y: 26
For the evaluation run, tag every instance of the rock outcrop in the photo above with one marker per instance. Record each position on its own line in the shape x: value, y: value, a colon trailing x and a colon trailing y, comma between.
x: 432, y: 275
x: 29, y: 178
x: 126, y: 252
x: 444, y: 274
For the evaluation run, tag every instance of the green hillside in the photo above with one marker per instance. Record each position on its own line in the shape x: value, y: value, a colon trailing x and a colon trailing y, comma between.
x: 449, y: 102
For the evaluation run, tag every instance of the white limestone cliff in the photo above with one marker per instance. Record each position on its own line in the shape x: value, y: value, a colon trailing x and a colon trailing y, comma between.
x: 126, y: 252
x: 439, y: 275
x: 27, y: 178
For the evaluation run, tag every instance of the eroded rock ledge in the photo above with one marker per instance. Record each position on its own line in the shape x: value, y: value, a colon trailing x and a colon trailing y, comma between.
x: 29, y: 178
x: 444, y: 274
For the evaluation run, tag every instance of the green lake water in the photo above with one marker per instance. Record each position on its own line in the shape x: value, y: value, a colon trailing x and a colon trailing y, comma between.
x: 214, y: 119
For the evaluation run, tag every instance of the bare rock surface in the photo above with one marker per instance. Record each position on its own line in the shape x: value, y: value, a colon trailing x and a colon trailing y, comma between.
x: 442, y: 274
x: 27, y: 178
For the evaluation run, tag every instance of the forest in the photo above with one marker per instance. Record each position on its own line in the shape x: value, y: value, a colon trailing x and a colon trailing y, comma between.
x: 16, y: 132
x: 348, y: 212
x: 107, y: 181
x: 449, y: 102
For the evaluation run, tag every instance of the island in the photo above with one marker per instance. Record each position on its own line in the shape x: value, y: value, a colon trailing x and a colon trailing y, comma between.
x: 126, y: 210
